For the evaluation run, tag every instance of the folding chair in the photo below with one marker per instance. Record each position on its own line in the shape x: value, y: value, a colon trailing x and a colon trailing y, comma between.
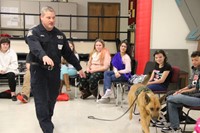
x: 195, y: 108
x: 118, y: 89
x: 98, y: 90
x: 75, y: 78
x: 120, y: 86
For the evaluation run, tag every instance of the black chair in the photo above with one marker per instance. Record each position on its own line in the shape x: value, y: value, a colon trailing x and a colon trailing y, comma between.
x: 150, y: 65
x: 194, y: 108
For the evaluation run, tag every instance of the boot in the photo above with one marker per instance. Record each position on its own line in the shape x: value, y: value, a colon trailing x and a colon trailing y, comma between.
x: 66, y: 80
x: 85, y: 93
x: 94, y: 92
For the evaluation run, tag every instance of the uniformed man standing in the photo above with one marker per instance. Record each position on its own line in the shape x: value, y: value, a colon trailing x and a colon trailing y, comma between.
x: 47, y: 44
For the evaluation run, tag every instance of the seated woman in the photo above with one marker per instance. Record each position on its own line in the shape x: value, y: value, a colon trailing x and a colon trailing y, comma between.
x: 121, y: 63
x: 99, y: 61
x: 161, y: 74
x: 8, y: 64
x: 67, y: 69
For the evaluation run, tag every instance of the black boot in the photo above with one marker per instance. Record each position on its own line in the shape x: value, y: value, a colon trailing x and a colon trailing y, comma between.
x: 81, y: 89
x: 94, y: 92
x: 85, y: 93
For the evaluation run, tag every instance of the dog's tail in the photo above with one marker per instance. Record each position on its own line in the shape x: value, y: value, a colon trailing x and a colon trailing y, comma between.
x: 146, y: 79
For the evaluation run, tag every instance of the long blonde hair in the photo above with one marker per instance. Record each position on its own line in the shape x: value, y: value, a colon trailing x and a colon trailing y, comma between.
x: 103, y: 51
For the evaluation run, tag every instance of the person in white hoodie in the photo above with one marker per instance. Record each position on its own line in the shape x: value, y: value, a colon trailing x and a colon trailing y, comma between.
x: 8, y: 64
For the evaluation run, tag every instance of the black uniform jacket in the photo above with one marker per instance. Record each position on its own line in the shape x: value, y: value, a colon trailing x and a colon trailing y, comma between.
x: 51, y: 43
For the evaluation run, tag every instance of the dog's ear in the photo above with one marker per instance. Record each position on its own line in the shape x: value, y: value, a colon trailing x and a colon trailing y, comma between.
x: 147, y: 98
x: 162, y: 99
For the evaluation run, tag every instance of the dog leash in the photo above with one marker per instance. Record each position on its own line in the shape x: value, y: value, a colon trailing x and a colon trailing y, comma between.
x: 102, y: 119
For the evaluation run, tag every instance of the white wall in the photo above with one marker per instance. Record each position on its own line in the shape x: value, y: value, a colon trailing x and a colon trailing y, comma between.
x: 20, y: 46
x: 169, y: 28
x: 83, y: 10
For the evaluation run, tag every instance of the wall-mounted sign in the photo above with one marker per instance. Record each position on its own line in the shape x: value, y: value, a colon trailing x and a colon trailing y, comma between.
x: 132, y: 12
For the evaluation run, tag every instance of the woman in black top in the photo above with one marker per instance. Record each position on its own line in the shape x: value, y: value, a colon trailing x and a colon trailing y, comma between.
x: 161, y: 74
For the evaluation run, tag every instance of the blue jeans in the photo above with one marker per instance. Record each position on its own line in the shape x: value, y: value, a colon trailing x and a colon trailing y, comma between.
x: 109, y: 77
x: 157, y: 87
x: 176, y: 101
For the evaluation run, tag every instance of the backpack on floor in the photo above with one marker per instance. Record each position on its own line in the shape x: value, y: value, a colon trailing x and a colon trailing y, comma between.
x: 135, y: 79
x: 5, y: 94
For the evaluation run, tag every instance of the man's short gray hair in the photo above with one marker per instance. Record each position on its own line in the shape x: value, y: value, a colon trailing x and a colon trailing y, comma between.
x: 46, y: 9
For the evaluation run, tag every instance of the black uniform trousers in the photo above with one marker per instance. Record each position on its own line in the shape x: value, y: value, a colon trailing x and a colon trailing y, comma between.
x: 45, y: 87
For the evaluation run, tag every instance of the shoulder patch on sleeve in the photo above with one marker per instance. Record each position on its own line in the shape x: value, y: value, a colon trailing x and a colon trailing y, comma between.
x: 30, y: 33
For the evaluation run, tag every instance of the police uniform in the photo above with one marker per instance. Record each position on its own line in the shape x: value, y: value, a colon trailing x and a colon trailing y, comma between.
x: 45, y: 81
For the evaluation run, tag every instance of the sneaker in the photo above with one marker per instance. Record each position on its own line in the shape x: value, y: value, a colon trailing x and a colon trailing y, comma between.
x: 21, y: 98
x: 107, y: 94
x: 171, y: 130
x: 14, y: 98
x: 152, y: 123
x: 25, y: 98
x: 160, y: 124
x: 104, y: 100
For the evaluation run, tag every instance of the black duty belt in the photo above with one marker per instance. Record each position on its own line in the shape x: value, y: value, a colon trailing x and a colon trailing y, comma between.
x: 48, y: 67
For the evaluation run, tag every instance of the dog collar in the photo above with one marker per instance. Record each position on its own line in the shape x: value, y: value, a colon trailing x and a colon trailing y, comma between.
x: 142, y: 88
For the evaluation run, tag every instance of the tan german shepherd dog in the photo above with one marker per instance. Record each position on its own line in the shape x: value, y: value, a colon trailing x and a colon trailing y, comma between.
x: 147, y: 102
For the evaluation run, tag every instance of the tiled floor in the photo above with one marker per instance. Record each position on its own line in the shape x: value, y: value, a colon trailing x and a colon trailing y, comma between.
x: 70, y: 117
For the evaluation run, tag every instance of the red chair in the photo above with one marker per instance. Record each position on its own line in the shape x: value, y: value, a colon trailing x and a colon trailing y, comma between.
x: 174, y: 80
x: 150, y: 65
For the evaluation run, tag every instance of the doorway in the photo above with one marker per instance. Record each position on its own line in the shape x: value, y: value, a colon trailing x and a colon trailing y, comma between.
x: 103, y: 20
